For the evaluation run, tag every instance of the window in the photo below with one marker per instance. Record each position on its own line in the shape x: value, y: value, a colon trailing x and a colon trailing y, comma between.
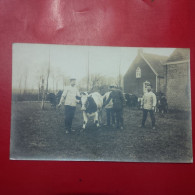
x: 138, y: 72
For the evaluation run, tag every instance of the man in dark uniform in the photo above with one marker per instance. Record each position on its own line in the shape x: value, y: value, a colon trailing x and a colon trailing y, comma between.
x: 109, y: 109
x: 118, y: 100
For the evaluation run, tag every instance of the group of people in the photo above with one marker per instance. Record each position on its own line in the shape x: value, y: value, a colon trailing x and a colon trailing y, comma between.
x: 113, y: 102
x: 114, y: 106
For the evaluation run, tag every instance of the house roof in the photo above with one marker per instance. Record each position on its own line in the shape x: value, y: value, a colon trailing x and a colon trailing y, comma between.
x: 156, y: 62
x: 179, y: 54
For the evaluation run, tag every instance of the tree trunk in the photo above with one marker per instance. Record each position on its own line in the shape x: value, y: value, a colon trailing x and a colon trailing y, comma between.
x: 46, y: 90
x: 43, y: 94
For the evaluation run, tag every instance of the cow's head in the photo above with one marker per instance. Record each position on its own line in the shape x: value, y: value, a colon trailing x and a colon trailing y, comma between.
x: 84, y: 101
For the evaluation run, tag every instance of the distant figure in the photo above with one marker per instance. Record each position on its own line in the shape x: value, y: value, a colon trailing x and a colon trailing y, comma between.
x: 109, y: 108
x: 118, y: 99
x: 127, y: 99
x: 163, y: 105
x: 148, y: 105
x: 70, y: 97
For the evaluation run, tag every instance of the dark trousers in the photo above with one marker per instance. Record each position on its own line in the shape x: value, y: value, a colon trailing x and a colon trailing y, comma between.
x: 145, y: 114
x: 69, y: 115
x: 119, y: 117
x: 110, y: 114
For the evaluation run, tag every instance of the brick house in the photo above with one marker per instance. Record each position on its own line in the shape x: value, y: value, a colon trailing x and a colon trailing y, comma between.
x: 177, y: 80
x: 169, y: 75
x: 146, y: 68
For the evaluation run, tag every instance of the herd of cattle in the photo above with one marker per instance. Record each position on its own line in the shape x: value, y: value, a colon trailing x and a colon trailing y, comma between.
x: 132, y: 101
x: 92, y: 104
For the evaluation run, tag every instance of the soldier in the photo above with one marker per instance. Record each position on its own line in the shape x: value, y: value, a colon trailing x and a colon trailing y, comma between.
x: 117, y: 97
x: 70, y: 97
x: 109, y: 108
x: 148, y: 105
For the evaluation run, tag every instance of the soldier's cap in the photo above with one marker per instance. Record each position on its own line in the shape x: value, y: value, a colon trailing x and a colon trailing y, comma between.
x: 149, y: 85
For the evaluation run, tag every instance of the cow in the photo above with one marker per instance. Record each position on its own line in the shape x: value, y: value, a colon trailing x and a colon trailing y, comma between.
x: 54, y: 99
x: 162, y: 104
x: 58, y: 96
x: 51, y: 97
x: 127, y: 99
x: 91, y: 105
x: 131, y: 100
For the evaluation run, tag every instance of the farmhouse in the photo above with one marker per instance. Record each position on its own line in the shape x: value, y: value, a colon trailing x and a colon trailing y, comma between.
x: 177, y: 80
x: 146, y: 68
x: 169, y: 75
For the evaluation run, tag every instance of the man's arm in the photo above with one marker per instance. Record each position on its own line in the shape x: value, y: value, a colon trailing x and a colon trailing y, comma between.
x: 108, y: 100
x: 63, y: 97
x: 154, y: 100
x: 122, y: 98
x: 104, y: 98
x: 78, y: 96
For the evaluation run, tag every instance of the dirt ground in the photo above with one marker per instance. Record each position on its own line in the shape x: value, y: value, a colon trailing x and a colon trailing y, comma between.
x: 40, y: 135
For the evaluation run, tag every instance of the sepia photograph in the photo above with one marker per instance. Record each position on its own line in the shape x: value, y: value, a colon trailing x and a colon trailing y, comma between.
x: 100, y: 103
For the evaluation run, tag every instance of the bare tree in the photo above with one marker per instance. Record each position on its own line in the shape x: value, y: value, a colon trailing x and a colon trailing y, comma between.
x: 95, y: 80
x: 56, y: 85
x: 47, y: 85
x: 20, y: 85
x: 42, y: 92
x: 39, y: 87
x: 46, y: 88
x: 25, y: 80
x: 53, y: 80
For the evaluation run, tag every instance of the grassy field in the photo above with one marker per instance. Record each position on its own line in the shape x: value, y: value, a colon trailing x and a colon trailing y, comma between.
x: 40, y: 134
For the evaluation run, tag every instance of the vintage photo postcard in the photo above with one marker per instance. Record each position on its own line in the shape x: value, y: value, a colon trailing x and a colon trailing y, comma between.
x: 89, y: 103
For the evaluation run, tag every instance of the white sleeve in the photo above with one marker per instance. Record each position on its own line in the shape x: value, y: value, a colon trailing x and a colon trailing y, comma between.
x: 63, y: 96
x: 77, y: 93
x: 154, y: 100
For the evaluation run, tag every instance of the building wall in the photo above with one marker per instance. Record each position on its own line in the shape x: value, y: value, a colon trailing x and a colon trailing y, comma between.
x: 134, y: 85
x: 178, y: 86
x: 161, y: 85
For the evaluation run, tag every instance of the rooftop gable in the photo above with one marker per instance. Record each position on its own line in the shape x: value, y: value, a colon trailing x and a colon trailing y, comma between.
x: 179, y: 54
x: 155, y: 62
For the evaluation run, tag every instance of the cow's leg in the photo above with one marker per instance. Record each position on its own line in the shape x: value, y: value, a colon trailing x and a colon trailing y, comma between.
x: 163, y: 110
x: 85, y: 119
x: 96, y: 119
x: 100, y: 117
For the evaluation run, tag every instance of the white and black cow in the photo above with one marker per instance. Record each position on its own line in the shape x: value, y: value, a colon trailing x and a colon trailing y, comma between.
x: 91, y: 105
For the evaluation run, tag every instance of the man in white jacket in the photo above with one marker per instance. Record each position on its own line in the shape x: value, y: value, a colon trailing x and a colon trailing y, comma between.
x: 148, y: 105
x: 70, y: 97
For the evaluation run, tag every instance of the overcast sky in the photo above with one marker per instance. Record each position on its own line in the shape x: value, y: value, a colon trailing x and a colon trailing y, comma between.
x: 72, y: 61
